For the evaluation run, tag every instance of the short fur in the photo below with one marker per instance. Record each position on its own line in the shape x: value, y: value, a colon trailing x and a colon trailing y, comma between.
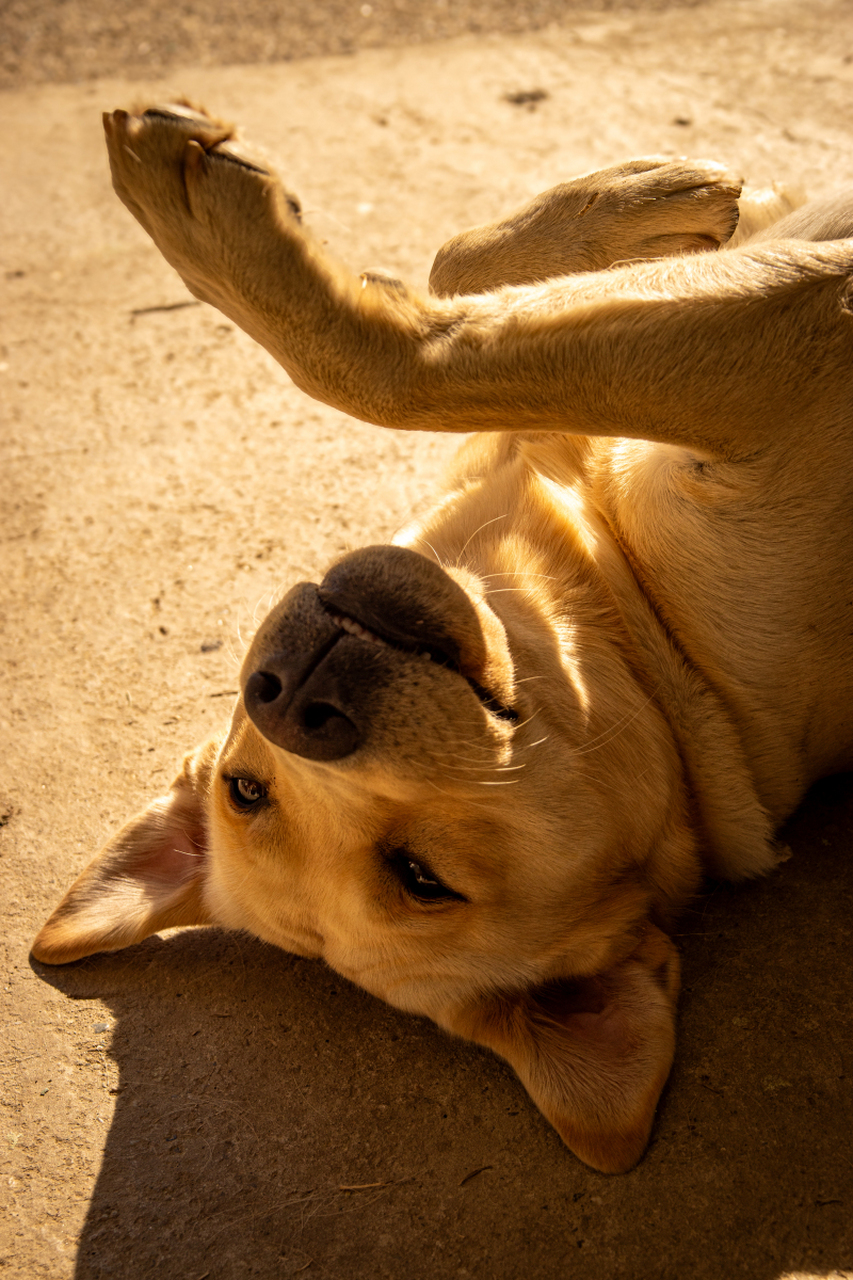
x: 479, y: 772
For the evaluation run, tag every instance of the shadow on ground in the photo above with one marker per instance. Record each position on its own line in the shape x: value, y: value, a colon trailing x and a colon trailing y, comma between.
x: 273, y: 1120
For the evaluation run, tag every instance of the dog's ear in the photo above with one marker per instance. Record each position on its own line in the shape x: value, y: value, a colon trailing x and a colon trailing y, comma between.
x: 148, y: 877
x: 593, y: 1054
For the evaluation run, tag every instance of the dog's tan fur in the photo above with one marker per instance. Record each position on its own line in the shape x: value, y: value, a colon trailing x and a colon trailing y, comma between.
x: 642, y: 569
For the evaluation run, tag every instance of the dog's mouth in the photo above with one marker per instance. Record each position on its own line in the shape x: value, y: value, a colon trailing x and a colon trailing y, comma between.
x: 419, y: 649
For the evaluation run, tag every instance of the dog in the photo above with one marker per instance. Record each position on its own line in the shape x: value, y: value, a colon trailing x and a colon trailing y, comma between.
x: 480, y: 771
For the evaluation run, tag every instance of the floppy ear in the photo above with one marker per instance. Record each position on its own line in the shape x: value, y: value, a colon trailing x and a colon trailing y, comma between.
x: 148, y: 877
x: 594, y: 1054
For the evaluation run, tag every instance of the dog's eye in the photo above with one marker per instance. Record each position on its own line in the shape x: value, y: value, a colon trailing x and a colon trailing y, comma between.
x: 420, y: 882
x: 245, y: 793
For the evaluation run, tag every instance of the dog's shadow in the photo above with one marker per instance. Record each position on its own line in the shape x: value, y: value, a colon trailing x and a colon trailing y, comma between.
x: 271, y: 1119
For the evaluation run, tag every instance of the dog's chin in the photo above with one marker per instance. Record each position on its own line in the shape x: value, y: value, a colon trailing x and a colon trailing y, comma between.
x: 387, y: 640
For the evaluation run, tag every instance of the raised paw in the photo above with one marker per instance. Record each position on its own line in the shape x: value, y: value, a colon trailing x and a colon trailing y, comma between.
x: 148, y: 152
x: 674, y: 206
x: 193, y: 188
x: 648, y: 208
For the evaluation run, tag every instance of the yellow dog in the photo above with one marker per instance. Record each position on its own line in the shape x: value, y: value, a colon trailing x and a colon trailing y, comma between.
x: 480, y: 771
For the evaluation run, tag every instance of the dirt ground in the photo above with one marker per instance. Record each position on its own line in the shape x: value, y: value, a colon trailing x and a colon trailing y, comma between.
x: 202, y: 1106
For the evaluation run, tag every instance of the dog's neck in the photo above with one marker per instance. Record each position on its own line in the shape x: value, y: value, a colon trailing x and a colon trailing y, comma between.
x: 520, y: 488
x: 739, y: 839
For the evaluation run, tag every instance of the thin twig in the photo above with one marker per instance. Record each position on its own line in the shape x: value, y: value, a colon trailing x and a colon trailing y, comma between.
x: 166, y: 306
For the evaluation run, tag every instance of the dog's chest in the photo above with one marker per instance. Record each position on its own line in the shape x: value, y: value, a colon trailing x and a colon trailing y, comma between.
x: 746, y: 566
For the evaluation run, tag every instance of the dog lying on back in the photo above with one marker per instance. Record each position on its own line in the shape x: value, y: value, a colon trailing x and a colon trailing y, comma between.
x: 479, y: 772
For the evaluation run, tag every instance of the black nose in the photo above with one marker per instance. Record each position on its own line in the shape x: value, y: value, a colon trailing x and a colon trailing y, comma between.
x: 303, y: 716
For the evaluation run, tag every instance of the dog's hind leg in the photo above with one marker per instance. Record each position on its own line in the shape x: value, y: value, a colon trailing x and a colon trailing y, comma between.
x: 830, y: 218
x: 762, y: 209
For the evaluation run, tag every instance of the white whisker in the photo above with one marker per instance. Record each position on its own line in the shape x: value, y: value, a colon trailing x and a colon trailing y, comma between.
x: 433, y: 550
x: 502, y: 591
x: 517, y: 573
x: 483, y: 526
x: 607, y: 735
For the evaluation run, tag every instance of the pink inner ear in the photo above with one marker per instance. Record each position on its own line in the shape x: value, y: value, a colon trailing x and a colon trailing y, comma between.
x: 561, y: 1000
x: 587, y: 1010
x: 175, y: 858
x: 150, y: 876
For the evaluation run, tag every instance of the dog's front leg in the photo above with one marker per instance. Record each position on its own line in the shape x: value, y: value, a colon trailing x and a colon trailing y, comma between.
x: 722, y: 353
x: 232, y: 232
x: 644, y: 209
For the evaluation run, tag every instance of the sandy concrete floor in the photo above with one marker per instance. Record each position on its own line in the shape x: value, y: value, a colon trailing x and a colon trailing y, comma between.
x: 76, y: 40
x: 201, y: 1106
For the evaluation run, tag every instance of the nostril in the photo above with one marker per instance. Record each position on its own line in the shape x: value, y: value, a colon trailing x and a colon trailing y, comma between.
x: 318, y: 714
x: 312, y: 727
x: 265, y: 686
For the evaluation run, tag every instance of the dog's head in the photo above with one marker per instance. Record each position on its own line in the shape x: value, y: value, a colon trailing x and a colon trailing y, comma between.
x: 477, y: 817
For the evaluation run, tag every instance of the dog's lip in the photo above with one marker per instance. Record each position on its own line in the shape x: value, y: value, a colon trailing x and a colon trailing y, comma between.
x: 354, y: 627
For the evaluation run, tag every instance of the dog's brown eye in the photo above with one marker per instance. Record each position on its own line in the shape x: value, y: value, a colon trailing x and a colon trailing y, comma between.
x: 245, y: 792
x: 420, y: 882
